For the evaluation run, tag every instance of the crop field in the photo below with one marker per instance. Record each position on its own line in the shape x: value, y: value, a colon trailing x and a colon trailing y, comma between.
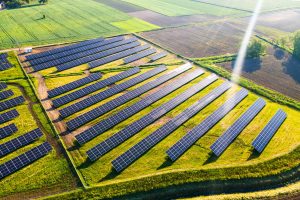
x: 122, y: 5
x: 65, y: 21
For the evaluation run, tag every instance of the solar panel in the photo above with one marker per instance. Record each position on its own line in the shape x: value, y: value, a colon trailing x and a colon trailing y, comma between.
x: 96, y: 56
x: 196, y: 133
x: 73, y: 85
x: 240, y: 124
x: 11, y: 103
x: 158, y: 56
x: 24, y: 159
x: 81, y: 55
x: 8, y: 130
x: 124, y: 114
x: 139, y: 56
x: 94, y: 87
x: 127, y: 158
x: 3, y: 56
x: 6, y: 94
x: 2, y: 86
x: 269, y: 131
x: 96, y: 112
x: 19, y: 142
x: 5, y: 66
x: 135, y: 127
x: 69, y: 110
x: 66, y: 48
x: 118, y: 56
x: 7, y: 116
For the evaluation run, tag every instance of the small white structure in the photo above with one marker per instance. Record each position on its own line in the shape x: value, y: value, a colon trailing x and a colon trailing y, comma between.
x: 2, y: 5
x: 28, y: 50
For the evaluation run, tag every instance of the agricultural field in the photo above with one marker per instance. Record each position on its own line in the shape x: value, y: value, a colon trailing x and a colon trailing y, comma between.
x: 122, y: 5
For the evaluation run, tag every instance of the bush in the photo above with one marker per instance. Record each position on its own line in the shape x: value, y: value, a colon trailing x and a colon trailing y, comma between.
x: 255, y: 49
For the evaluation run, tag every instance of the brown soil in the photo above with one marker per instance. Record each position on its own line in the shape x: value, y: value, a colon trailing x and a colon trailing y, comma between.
x: 121, y: 5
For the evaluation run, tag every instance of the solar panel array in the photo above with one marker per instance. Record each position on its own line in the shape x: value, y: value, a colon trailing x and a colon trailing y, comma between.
x: 5, y: 66
x: 96, y: 112
x: 81, y: 55
x: 3, y: 55
x: 66, y: 48
x: 124, y: 114
x: 132, y: 129
x: 8, y: 130
x: 138, y: 56
x: 6, y: 94
x: 196, y: 133
x: 127, y: 158
x: 94, y: 87
x: 7, y: 116
x: 269, y: 131
x: 11, y: 103
x: 158, y: 56
x: 69, y: 110
x: 19, y: 142
x: 73, y: 85
x: 117, y: 56
x: 3, y: 86
x: 228, y: 137
x: 96, y: 56
x: 24, y: 159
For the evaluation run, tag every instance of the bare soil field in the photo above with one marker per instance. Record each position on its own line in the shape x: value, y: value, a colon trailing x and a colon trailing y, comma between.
x: 196, y: 41
x: 121, y: 5
x: 278, y: 70
x: 165, y: 21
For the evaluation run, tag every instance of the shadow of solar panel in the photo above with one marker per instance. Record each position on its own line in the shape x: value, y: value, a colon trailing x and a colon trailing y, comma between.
x: 6, y: 94
x: 69, y: 110
x: 139, y: 56
x: 94, y: 87
x: 19, y: 142
x: 11, y: 103
x: 269, y: 131
x: 73, y: 85
x: 135, y: 127
x: 96, y: 56
x: 8, y: 130
x: 96, y: 112
x: 3, y: 86
x: 158, y: 56
x: 124, y: 114
x: 240, y: 124
x: 154, y: 138
x: 196, y: 133
x: 24, y: 159
x: 61, y: 49
x: 7, y: 116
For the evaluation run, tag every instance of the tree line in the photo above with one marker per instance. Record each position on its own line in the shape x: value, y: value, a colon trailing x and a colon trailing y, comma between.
x: 19, y: 3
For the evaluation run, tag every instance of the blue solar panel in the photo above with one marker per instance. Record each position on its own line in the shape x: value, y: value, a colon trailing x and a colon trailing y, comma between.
x: 154, y: 138
x: 269, y: 131
x: 135, y: 127
x: 8, y: 130
x: 158, y: 56
x: 69, y: 110
x: 3, y: 56
x: 11, y: 103
x: 94, y: 87
x: 7, y: 116
x: 24, y: 159
x: 5, y: 66
x: 124, y: 114
x: 196, y: 133
x: 139, y: 56
x: 97, y: 112
x: 228, y: 137
x: 6, y: 94
x: 2, y: 86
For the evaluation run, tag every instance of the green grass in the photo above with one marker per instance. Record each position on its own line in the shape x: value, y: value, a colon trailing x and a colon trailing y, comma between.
x: 65, y: 21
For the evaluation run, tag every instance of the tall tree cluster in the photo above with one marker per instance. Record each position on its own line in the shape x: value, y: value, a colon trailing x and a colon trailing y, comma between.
x: 297, y: 45
x: 19, y: 3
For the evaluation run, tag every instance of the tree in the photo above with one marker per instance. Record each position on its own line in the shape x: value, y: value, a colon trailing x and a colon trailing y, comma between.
x: 43, y: 1
x: 255, y: 49
x: 297, y: 45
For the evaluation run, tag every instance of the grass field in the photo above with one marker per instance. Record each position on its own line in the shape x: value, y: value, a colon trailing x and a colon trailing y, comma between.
x: 65, y: 21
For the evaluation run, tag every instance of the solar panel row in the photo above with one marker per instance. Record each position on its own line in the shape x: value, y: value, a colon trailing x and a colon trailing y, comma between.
x: 2, y: 86
x: 158, y: 56
x: 24, y: 159
x: 5, y: 66
x: 69, y: 110
x: 3, y: 55
x: 96, y: 112
x: 6, y: 94
x: 94, y: 87
x: 81, y: 55
x: 127, y: 158
x: 269, y: 131
x: 75, y: 51
x: 117, y: 56
x: 132, y: 129
x: 19, y: 142
x: 66, y: 48
x: 239, y: 125
x: 196, y: 133
x: 11, y: 103
x: 124, y: 114
x: 8, y: 130
x: 96, y: 56
x: 138, y: 56
x: 73, y: 85
x: 7, y: 116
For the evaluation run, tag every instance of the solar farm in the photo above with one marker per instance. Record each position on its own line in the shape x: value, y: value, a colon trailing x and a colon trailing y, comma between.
x: 121, y: 115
